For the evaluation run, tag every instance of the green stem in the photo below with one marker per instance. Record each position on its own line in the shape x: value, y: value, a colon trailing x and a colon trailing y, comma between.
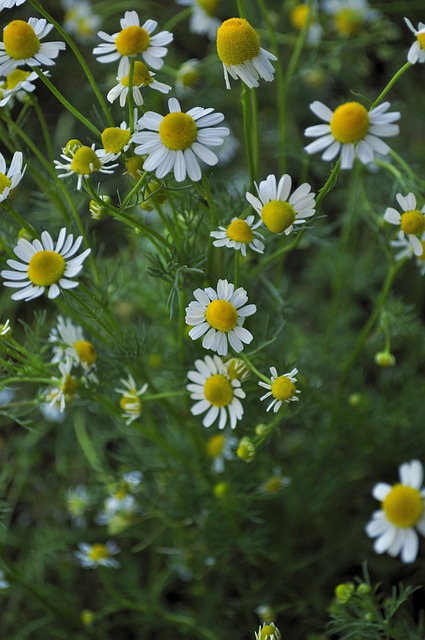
x: 134, y: 190
x: 254, y: 369
x: 247, y: 127
x: 241, y: 9
x: 43, y: 125
x: 85, y: 443
x: 19, y: 219
x: 130, y: 95
x: 393, y: 80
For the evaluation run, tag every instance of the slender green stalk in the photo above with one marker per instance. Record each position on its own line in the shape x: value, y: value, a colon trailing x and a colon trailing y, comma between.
x: 19, y: 219
x: 241, y: 9
x: 137, y: 187
x: 43, y: 125
x: 393, y: 80
x: 247, y: 127
x: 237, y: 265
x: 85, y: 442
x: 130, y: 96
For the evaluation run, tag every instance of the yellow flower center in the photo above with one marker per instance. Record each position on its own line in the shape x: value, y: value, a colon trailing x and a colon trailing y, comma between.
x: 348, y: 22
x: 141, y: 76
x: 85, y: 161
x: 421, y: 39
x: 4, y: 182
x: 71, y: 147
x: 15, y: 77
x: 114, y: 139
x: 412, y: 222
x: 403, y: 506
x: 188, y: 77
x: 350, y: 122
x: 46, y: 268
x: 218, y: 390
x: 215, y: 445
x: 278, y: 215
x: 178, y: 131
x: 282, y: 388
x: 273, y: 484
x: 267, y: 633
x: 240, y: 231
x: 98, y: 552
x: 298, y: 16
x: 237, y: 369
x: 209, y: 6
x: 221, y: 315
x: 69, y: 386
x: 132, y: 40
x: 237, y: 42
x: 135, y: 166
x: 130, y: 403
x: 86, y: 352
x: 20, y: 40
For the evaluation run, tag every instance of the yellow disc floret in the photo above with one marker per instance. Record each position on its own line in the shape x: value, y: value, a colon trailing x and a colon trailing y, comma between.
x: 86, y: 352
x: 141, y: 76
x: 278, y: 215
x: 209, y: 6
x: 98, y: 552
x: 46, y: 268
x: 130, y: 403
x: 20, y: 40
x: 132, y: 40
x: 403, y: 506
x: 178, y: 131
x: 348, y: 22
x: 15, y: 77
x: 215, y: 445
x: 218, y: 390
x: 237, y: 42
x: 240, y: 231
x: 350, y: 122
x: 114, y: 139
x: 412, y: 222
x: 134, y: 166
x: 4, y: 182
x: 221, y: 315
x: 283, y: 388
x: 298, y: 16
x: 69, y: 386
x: 85, y: 161
x: 421, y: 39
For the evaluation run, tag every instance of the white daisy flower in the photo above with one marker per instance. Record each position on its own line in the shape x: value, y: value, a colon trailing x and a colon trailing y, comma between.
x: 175, y: 142
x: 220, y: 448
x: 78, y: 500
x: 10, y: 178
x: 268, y: 631
x: 96, y: 555
x: 215, y: 393
x: 64, y: 389
x: 203, y: 20
x: 188, y: 76
x: 411, y: 221
x: 9, y: 4
x: 416, y: 52
x: 79, y: 19
x: 134, y: 40
x: 83, y: 161
x: 282, y: 388
x: 142, y: 77
x: 349, y: 16
x: 69, y: 342
x: 353, y: 131
x: 17, y: 84
x: 402, y: 514
x: 238, y: 47
x: 45, y: 265
x: 277, y: 210
x: 21, y: 45
x: 219, y: 316
x: 5, y: 328
x: 238, y: 235
x: 130, y: 401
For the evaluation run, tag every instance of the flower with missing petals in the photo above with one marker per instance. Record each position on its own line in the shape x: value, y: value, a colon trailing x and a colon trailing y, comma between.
x: 411, y: 221
x: 416, y: 52
x: 10, y: 178
x: 282, y: 388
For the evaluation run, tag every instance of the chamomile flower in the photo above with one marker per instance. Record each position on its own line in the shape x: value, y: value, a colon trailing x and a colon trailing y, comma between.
x: 220, y: 448
x: 396, y: 525
x: 142, y: 77
x: 64, y: 389
x: 215, y: 393
x: 45, y: 265
x: 69, y: 342
x: 278, y: 211
x: 416, y: 52
x: 218, y: 315
x: 78, y: 500
x: 91, y: 556
x: 188, y: 76
x: 17, y: 85
x: 238, y: 47
x: 130, y: 399
x: 134, y: 40
x: 10, y: 178
x: 268, y: 631
x: 116, y: 140
x: 9, y: 4
x: 83, y: 161
x: 21, y: 45
x: 79, y: 19
x: 203, y: 20
x: 353, y: 131
x: 299, y: 15
x: 282, y: 388
x: 239, y: 235
x: 175, y: 142
x: 349, y: 16
x: 411, y: 221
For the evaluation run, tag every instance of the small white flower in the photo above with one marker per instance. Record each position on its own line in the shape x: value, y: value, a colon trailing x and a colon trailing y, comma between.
x: 9, y: 4
x: 352, y: 131
x: 215, y: 393
x: 238, y: 48
x: 219, y: 316
x: 267, y: 631
x: 69, y: 342
x: 17, y: 85
x: 411, y: 221
x: 83, y: 161
x: 277, y: 210
x: 402, y: 514
x: 416, y: 52
x: 349, y: 16
x: 175, y: 142
x: 282, y: 388
x: 134, y: 40
x: 239, y: 235
x: 220, y: 448
x: 91, y: 556
x: 21, y: 45
x: 10, y: 178
x: 142, y: 77
x: 45, y: 266
x: 64, y: 389
x: 188, y: 76
x: 78, y: 500
x: 203, y: 20
x: 130, y: 401
x: 79, y: 19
